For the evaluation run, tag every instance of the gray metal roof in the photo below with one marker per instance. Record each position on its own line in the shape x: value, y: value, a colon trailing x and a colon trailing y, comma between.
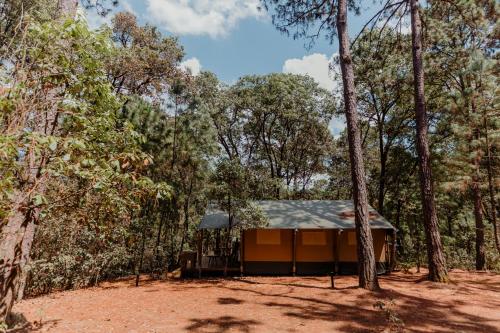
x: 214, y: 219
x: 302, y: 214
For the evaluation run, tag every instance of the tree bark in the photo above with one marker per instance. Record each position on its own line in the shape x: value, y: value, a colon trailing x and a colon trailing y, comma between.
x: 436, y: 260
x: 11, y: 252
x: 383, y: 164
x: 138, y: 265
x: 491, y: 189
x: 478, y: 217
x: 366, y: 256
x: 186, y: 220
x: 16, y: 237
x: 477, y: 199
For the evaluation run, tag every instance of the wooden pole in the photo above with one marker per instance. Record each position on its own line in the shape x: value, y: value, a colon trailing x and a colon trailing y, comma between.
x: 200, y: 251
x: 337, y: 251
x: 334, y: 251
x: 226, y: 251
x: 294, y: 250
x: 242, y: 237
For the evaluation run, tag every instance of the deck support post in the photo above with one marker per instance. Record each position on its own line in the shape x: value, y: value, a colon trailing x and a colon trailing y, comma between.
x: 337, y: 251
x: 200, y: 251
x: 227, y: 251
x: 294, y: 252
x: 242, y: 246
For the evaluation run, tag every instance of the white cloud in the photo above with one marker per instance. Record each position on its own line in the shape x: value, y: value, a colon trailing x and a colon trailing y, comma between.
x: 201, y: 17
x: 336, y: 126
x: 192, y: 65
x: 322, y: 69
x: 316, y: 65
x: 95, y: 20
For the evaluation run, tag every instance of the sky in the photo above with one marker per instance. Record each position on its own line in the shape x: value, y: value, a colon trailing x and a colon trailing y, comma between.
x: 233, y: 38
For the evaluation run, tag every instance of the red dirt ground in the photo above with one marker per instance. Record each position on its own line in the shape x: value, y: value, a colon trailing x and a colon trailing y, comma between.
x: 407, y: 303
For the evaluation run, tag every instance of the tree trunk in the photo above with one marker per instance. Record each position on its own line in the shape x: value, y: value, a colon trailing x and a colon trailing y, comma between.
x: 157, y: 262
x: 491, y: 189
x: 138, y: 265
x: 436, y: 260
x: 449, y: 220
x: 477, y: 199
x: 366, y: 256
x: 17, y: 233
x: 186, y: 224
x: 383, y: 164
x: 398, y: 225
x: 478, y: 217
x: 12, y: 250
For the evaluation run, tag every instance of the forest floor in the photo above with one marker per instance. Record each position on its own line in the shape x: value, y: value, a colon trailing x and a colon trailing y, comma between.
x: 406, y: 303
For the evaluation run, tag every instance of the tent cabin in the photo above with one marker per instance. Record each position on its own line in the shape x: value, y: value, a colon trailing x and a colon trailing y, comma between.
x: 303, y: 237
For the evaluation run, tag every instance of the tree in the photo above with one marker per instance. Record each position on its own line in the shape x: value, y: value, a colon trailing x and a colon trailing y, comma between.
x: 287, y: 124
x: 59, y: 126
x: 25, y: 109
x: 145, y: 63
x: 463, y: 62
x: 325, y: 16
x: 435, y: 257
x: 276, y: 126
x: 384, y: 91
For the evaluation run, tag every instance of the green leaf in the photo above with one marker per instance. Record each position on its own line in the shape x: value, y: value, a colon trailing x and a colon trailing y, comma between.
x: 38, y: 200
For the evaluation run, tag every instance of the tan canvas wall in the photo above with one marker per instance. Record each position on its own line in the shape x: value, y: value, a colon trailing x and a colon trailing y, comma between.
x: 347, y: 245
x: 315, y: 246
x: 268, y: 245
x: 311, y: 245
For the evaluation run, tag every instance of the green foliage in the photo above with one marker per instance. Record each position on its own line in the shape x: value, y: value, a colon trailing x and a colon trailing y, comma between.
x: 145, y: 63
x: 93, y: 176
x: 276, y: 128
x: 118, y: 152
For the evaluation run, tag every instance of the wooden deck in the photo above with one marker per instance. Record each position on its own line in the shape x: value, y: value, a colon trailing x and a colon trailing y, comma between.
x: 213, y: 266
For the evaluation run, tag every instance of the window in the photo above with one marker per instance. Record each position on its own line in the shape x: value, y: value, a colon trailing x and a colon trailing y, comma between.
x: 268, y: 237
x: 351, y: 238
x: 313, y: 238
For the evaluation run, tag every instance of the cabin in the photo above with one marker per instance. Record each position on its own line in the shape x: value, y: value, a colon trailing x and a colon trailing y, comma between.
x: 302, y: 237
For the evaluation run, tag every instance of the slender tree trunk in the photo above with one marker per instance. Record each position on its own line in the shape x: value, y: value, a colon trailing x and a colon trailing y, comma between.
x: 383, y: 163
x: 491, y: 189
x: 449, y: 220
x: 366, y: 256
x: 186, y: 222
x: 228, y: 238
x: 138, y: 266
x: 436, y: 260
x: 157, y: 262
x: 174, y: 144
x: 418, y: 254
x: 477, y: 199
x: 478, y: 218
x: 18, y: 231
x: 398, y: 224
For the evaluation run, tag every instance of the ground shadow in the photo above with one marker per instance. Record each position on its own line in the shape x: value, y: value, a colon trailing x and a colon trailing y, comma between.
x: 419, y: 314
x: 298, y: 285
x: 229, y: 300
x: 221, y: 324
x: 34, y: 327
